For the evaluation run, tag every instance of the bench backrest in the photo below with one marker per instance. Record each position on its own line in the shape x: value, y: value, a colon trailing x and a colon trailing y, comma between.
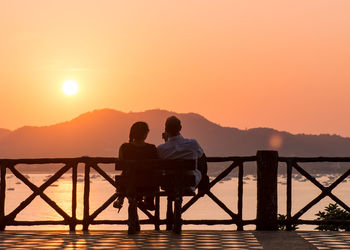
x: 175, y: 174
x: 158, y: 165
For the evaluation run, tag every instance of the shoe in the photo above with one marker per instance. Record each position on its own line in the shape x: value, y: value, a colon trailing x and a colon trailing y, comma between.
x: 119, y: 203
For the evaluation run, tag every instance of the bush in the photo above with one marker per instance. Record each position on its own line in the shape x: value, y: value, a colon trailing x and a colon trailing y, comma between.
x: 333, y: 212
x: 282, y: 217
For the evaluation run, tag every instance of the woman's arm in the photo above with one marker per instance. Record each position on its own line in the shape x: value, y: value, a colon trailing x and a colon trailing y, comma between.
x: 121, y: 151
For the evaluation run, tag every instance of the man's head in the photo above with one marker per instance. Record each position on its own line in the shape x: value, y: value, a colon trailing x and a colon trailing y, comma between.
x: 173, y: 126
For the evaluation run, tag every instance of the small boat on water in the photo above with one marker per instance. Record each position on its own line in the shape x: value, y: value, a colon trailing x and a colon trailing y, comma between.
x: 18, y: 182
x: 11, y: 189
x: 47, y: 177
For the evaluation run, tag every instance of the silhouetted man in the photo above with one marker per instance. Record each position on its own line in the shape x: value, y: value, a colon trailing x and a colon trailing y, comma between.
x: 177, y: 147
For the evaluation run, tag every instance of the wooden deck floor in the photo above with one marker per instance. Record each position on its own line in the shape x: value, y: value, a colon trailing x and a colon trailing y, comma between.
x: 163, y: 239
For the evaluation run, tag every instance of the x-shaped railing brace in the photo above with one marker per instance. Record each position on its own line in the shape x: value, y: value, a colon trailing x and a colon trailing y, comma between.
x: 326, y: 191
x: 38, y: 191
x: 112, y: 198
x: 212, y: 196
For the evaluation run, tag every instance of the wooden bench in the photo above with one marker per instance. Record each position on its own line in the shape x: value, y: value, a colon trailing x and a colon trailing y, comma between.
x: 175, y: 177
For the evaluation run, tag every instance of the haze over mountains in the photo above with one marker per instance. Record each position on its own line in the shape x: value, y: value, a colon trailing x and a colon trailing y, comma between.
x: 101, y: 132
x: 4, y: 132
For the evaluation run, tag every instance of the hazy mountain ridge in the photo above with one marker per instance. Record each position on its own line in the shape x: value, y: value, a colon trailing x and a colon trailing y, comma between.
x: 101, y: 132
x: 4, y: 132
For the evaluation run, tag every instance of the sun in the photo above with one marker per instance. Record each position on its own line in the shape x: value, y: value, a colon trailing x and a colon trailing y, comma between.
x: 70, y: 87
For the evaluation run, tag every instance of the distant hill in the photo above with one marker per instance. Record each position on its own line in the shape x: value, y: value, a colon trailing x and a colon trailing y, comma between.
x: 101, y: 132
x: 4, y: 132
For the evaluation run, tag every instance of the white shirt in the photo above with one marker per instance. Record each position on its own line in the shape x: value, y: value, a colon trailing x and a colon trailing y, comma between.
x: 178, y: 147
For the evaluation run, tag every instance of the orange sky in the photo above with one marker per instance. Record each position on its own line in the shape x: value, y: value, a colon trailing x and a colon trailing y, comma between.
x: 280, y: 64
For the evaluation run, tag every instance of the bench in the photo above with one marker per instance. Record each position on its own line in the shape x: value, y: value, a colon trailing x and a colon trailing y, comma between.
x: 175, y: 177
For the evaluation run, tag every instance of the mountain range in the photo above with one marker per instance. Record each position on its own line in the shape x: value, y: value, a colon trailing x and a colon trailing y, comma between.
x: 101, y: 132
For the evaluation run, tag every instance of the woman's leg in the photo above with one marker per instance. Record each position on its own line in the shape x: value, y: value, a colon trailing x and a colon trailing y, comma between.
x: 133, y: 218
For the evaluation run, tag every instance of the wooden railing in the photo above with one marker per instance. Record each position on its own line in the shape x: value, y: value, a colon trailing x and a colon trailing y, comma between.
x: 294, y: 163
x: 267, y: 165
x: 236, y: 218
x: 90, y: 218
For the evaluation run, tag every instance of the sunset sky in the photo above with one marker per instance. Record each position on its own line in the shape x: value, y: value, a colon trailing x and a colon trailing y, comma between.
x: 244, y: 64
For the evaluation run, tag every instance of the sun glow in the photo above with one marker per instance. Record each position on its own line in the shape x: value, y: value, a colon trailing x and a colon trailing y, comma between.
x: 70, y: 87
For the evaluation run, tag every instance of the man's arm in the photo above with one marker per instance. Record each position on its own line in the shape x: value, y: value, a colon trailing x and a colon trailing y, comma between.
x: 198, y: 148
x: 202, y: 166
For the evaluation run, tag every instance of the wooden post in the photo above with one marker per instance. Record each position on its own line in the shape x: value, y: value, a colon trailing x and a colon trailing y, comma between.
x: 240, y: 196
x: 86, y: 197
x: 74, y: 198
x: 2, y: 197
x: 267, y: 163
x: 289, y: 195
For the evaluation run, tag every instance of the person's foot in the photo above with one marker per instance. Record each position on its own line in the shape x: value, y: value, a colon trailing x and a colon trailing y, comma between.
x: 118, y: 203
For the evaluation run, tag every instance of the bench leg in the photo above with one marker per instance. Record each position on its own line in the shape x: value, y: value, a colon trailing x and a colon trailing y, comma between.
x: 133, y: 218
x: 2, y: 223
x: 156, y: 214
x: 177, y: 215
x: 169, y: 214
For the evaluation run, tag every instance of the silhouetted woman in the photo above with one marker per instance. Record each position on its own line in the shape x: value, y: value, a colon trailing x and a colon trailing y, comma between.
x: 137, y: 149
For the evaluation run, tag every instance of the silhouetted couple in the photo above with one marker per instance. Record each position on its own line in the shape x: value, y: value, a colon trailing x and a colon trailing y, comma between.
x: 175, y: 147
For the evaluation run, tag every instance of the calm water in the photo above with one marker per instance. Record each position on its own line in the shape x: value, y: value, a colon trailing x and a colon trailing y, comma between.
x: 205, y: 208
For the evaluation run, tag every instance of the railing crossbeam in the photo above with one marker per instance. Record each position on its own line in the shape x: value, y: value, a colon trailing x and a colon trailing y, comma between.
x: 307, y: 175
x: 103, y: 207
x: 39, y: 191
x: 148, y: 214
x: 223, y: 206
x: 223, y: 174
x: 326, y: 191
x: 104, y: 175
x: 211, y: 184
